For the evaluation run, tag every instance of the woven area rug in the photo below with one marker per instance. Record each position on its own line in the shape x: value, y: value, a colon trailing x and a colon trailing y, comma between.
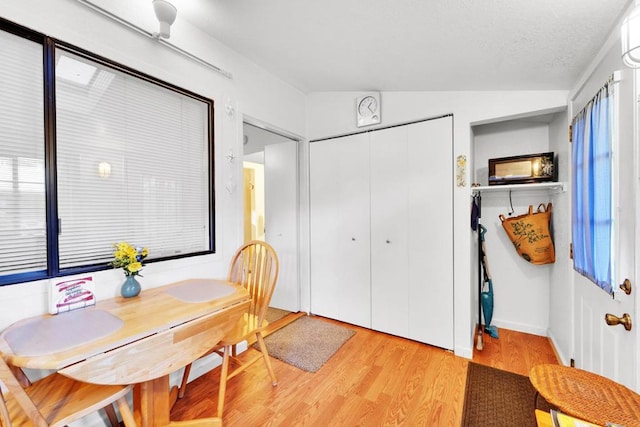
x: 307, y: 343
x: 496, y: 398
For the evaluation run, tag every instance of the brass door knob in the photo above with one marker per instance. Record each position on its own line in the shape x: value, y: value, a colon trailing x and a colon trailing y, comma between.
x: 613, y: 320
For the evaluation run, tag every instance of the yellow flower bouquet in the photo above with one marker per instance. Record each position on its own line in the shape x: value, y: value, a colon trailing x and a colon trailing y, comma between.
x: 129, y: 258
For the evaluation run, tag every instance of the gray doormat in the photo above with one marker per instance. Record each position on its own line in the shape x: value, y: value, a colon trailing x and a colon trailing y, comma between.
x: 307, y: 343
x: 274, y: 314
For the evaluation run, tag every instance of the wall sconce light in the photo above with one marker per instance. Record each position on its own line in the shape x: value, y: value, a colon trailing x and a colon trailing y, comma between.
x: 104, y: 170
x: 230, y: 185
x: 166, y: 14
x: 230, y: 156
x: 630, y: 38
x: 229, y: 108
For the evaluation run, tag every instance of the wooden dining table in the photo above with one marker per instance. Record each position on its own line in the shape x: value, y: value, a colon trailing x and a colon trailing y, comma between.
x: 138, y: 340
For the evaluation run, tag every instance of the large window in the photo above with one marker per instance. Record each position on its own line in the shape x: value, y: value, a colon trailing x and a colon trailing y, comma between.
x: 126, y: 157
x: 132, y: 164
x: 23, y: 240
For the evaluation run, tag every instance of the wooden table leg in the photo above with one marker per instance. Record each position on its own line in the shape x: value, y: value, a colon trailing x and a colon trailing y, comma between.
x: 173, y: 396
x: 151, y: 402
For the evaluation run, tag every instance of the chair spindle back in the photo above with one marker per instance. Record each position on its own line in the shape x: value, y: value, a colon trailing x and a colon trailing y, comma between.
x: 255, y: 266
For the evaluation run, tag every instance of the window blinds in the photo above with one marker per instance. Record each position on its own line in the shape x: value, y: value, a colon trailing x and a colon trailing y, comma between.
x: 23, y: 240
x: 132, y: 164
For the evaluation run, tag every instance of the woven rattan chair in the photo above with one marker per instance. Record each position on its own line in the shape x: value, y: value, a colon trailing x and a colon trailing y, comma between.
x: 600, y: 400
x: 255, y: 267
x: 56, y: 400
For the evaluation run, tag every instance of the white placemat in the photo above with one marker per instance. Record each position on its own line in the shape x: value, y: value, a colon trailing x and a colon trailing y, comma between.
x: 201, y: 290
x: 61, y: 332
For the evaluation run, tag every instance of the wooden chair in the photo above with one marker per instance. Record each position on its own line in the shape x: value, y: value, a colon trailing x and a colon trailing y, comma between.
x: 56, y: 400
x: 254, y: 266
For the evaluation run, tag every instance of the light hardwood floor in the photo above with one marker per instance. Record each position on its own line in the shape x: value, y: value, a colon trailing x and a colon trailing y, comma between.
x: 374, y: 380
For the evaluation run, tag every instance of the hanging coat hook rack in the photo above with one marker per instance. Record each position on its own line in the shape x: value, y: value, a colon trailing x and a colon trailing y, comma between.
x: 511, y: 211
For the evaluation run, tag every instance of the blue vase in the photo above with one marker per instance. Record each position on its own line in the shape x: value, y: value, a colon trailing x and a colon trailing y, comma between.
x: 130, y: 287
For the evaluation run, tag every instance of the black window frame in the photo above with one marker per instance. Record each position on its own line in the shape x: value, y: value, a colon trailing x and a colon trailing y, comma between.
x: 50, y: 45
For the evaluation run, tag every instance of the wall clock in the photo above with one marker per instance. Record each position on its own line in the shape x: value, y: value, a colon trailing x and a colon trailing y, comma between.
x: 368, y: 110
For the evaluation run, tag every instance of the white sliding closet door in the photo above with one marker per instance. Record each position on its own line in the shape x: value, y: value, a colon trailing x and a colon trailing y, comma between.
x: 389, y: 231
x: 339, y: 197
x: 382, y: 230
x: 412, y: 232
x: 430, y: 224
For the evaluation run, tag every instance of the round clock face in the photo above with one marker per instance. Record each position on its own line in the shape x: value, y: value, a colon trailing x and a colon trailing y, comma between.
x: 368, y: 106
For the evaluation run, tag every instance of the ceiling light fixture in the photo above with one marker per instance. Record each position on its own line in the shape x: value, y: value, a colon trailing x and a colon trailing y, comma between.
x: 166, y: 14
x: 630, y: 37
x: 91, y: 5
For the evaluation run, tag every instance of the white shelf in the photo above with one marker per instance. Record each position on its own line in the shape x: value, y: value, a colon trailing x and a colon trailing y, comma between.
x: 552, y: 187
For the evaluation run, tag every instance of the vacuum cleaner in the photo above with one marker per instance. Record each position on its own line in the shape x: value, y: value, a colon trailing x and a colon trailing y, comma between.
x: 486, y: 296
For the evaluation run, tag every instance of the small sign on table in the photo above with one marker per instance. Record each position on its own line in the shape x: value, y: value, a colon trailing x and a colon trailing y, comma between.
x: 66, y: 294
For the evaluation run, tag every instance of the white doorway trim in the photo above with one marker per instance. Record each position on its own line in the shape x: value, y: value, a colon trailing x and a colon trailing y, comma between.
x: 300, y: 196
x: 270, y: 128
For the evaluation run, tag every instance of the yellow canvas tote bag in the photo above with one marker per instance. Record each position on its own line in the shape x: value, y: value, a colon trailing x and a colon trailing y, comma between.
x: 531, y: 234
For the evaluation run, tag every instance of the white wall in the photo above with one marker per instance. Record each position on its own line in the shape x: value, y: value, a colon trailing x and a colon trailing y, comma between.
x: 560, y: 308
x: 333, y: 113
x: 251, y: 91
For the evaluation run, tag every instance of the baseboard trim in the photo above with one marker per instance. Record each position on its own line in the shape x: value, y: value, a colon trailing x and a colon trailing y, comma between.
x: 520, y: 327
x: 559, y: 355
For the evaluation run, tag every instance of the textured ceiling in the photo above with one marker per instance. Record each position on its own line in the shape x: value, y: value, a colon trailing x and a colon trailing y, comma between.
x: 412, y: 45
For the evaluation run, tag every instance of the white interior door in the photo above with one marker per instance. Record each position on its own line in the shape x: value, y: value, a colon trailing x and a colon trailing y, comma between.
x: 600, y: 348
x: 339, y: 229
x: 281, y: 219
